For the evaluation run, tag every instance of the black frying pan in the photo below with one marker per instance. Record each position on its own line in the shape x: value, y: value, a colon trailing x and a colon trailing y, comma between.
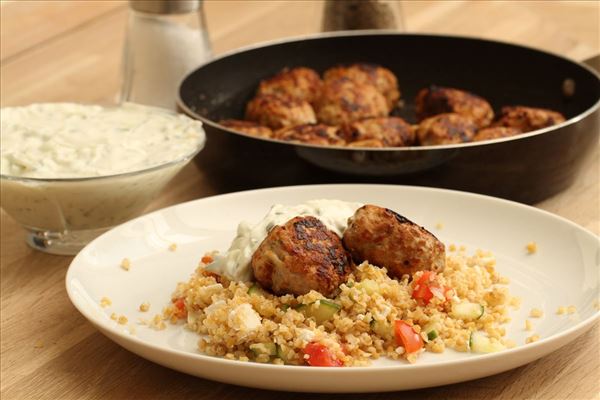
x: 526, y: 168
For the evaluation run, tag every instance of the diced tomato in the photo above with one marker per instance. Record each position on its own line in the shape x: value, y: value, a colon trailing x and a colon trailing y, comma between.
x: 320, y: 356
x: 407, y: 337
x: 179, y: 304
x: 426, y: 286
x: 206, y: 259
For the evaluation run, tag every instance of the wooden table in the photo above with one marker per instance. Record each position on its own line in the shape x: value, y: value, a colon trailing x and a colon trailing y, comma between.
x: 70, y: 51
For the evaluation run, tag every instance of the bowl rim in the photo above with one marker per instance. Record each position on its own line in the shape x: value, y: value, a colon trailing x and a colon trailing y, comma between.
x: 384, y: 32
x: 183, y: 159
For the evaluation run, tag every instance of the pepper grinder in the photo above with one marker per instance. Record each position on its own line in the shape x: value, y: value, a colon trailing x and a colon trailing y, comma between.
x: 341, y: 15
x: 166, y: 39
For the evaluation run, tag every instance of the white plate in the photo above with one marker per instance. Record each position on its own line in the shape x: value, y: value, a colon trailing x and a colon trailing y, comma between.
x: 564, y: 271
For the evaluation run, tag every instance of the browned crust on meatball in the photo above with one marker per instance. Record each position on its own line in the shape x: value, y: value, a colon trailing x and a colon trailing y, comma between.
x: 382, y: 78
x: 343, y: 101
x: 279, y: 111
x: 446, y: 129
x: 299, y: 83
x: 300, y: 256
x: 495, y: 133
x: 319, y: 134
x: 436, y: 100
x: 389, y: 131
x: 249, y: 127
x: 528, y: 118
x: 387, y: 239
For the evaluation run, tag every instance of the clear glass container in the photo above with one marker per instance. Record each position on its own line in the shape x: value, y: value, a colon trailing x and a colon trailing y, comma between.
x: 166, y: 39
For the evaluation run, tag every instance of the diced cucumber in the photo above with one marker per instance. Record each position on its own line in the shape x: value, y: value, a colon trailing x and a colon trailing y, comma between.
x: 432, y: 334
x: 432, y: 329
x: 269, y: 349
x: 285, y: 307
x: 480, y: 343
x: 321, y: 312
x: 382, y: 328
x: 369, y: 286
x: 281, y: 354
x: 467, y: 311
x: 301, y: 308
x: 257, y: 290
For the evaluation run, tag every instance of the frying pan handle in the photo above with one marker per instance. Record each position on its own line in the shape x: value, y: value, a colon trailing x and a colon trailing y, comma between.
x: 593, y: 62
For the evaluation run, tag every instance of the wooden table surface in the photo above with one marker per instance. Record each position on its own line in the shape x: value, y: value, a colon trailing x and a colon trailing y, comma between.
x: 70, y: 51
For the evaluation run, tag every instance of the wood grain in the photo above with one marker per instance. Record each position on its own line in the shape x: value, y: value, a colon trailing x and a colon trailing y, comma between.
x: 70, y: 51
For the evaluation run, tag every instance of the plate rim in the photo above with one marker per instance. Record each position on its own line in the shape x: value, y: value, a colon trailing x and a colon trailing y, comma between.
x: 580, y: 327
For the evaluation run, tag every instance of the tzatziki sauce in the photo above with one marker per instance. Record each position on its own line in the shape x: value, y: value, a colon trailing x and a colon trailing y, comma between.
x: 67, y: 140
x: 235, y: 263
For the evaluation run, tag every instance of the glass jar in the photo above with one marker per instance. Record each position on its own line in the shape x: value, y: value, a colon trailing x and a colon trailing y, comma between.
x: 166, y: 39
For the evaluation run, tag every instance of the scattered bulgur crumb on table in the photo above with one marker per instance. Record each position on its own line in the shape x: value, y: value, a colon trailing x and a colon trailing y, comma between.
x: 145, y: 306
x: 439, y: 226
x: 114, y: 316
x: 561, y: 310
x: 452, y: 247
x: 173, y: 247
x: 122, y: 320
x: 105, y: 302
x: 536, y: 313
x: 571, y: 309
x: 126, y: 264
x: 531, y: 247
x: 528, y: 325
x: 532, y: 338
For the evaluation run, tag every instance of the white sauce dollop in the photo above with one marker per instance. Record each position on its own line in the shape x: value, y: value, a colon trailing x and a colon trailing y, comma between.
x: 67, y: 140
x: 235, y: 263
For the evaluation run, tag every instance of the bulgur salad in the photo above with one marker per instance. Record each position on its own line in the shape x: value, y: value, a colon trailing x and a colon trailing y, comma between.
x: 328, y: 283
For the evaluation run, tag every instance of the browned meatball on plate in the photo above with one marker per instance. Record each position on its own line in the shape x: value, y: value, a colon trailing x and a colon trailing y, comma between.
x: 249, y: 127
x: 496, y: 132
x: 436, y: 100
x: 389, y: 131
x: 300, y: 256
x: 279, y: 111
x: 299, y: 83
x: 343, y: 101
x: 386, y: 239
x: 528, y: 118
x: 446, y: 129
x: 382, y: 78
x: 314, y: 134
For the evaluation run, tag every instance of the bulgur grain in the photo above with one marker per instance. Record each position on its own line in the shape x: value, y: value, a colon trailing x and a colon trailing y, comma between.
x: 571, y: 309
x: 105, y: 302
x: 113, y: 316
x: 532, y: 338
x: 561, y: 310
x: 173, y: 247
x: 528, y: 325
x: 126, y: 264
x: 536, y: 313
x: 439, y: 226
x: 122, y: 320
x: 531, y: 247
x: 145, y: 306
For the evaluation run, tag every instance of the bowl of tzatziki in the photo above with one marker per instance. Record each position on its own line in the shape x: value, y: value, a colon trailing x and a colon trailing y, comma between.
x: 69, y: 171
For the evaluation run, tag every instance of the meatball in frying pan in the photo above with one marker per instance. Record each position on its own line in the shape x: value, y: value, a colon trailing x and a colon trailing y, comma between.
x: 313, y: 134
x: 387, y: 239
x: 496, y: 132
x: 528, y: 118
x: 446, y: 129
x: 389, y: 131
x: 279, y: 111
x: 249, y: 127
x: 436, y: 100
x: 299, y: 83
x: 343, y: 101
x: 381, y: 78
x: 300, y: 256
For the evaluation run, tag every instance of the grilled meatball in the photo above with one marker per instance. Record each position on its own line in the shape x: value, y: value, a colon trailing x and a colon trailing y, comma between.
x: 528, y: 118
x: 495, y: 133
x: 251, y: 128
x: 436, y: 100
x: 314, y: 134
x: 299, y: 83
x: 382, y: 78
x: 279, y: 111
x: 387, y: 239
x: 389, y: 131
x: 446, y: 129
x: 300, y: 256
x: 343, y: 101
